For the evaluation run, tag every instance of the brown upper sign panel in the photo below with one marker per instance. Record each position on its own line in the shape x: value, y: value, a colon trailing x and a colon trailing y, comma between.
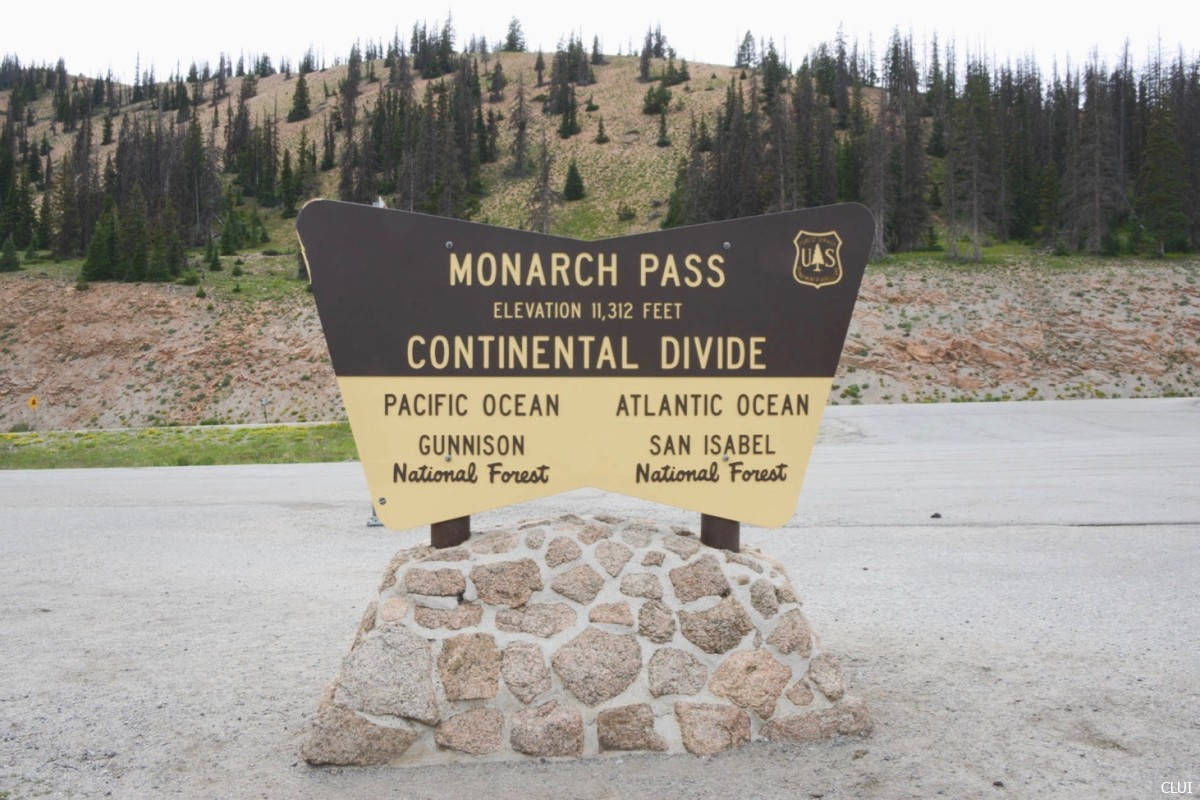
x: 383, y: 278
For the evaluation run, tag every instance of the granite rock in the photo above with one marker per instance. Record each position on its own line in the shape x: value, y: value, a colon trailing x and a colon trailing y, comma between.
x: 613, y: 556
x: 478, y: 731
x: 550, y: 729
x: 562, y: 550
x: 700, y: 578
x: 656, y: 622
x: 390, y: 672
x: 642, y: 584
x: 596, y: 665
x: 507, y: 583
x: 709, y: 728
x: 440, y: 582
x: 540, y: 619
x: 752, y: 679
x: 673, y: 671
x: 847, y: 718
x: 791, y: 634
x: 580, y: 584
x: 342, y: 738
x: 717, y: 629
x: 628, y: 728
x: 469, y: 666
x: 525, y: 672
x: 825, y: 673
x: 611, y: 613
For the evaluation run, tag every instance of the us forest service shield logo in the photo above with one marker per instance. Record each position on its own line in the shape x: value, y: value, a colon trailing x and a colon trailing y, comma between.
x: 818, y: 258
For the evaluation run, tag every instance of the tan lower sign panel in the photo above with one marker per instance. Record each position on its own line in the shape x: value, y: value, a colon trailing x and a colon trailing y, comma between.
x: 482, y: 367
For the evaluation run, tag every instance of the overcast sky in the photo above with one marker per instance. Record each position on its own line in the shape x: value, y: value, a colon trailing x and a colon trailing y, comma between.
x: 96, y: 36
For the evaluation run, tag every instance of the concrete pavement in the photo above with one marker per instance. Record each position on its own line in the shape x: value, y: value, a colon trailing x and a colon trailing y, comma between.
x: 168, y: 631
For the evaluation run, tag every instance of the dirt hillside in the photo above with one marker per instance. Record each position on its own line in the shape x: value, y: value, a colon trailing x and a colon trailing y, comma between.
x: 132, y: 355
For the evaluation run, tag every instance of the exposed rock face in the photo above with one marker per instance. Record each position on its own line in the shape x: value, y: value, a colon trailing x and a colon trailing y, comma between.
x: 577, y: 637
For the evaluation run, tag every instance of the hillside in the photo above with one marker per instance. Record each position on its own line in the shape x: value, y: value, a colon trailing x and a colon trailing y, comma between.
x: 629, y: 168
x: 122, y: 355
x: 248, y: 347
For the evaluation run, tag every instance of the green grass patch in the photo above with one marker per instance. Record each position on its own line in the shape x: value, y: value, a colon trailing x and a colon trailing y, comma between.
x: 178, y: 447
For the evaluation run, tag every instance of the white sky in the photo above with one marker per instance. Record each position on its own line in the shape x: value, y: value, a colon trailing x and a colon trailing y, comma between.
x: 94, y: 36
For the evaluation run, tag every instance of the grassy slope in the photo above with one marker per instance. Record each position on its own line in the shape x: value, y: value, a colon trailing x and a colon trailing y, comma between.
x: 177, y: 447
x: 629, y: 167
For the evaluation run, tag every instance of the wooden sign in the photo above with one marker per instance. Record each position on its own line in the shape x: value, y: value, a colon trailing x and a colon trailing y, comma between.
x: 482, y: 366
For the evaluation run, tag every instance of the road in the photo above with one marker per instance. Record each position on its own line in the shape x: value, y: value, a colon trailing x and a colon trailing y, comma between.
x: 167, y: 631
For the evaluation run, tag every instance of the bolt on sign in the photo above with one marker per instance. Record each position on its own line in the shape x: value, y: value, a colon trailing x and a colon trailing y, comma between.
x: 483, y: 366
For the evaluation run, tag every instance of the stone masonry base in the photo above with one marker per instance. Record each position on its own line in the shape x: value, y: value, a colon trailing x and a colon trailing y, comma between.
x: 577, y: 637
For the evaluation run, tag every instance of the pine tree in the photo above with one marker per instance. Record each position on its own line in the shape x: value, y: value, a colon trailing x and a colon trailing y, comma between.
x: 663, y: 141
x: 539, y: 67
x: 520, y: 123
x: 156, y: 253
x: 498, y: 82
x: 744, y: 58
x: 644, y: 61
x: 212, y: 259
x: 541, y: 196
x: 569, y: 125
x: 133, y: 237
x: 175, y: 251
x: 601, y: 136
x: 300, y: 101
x: 287, y: 186
x: 1162, y: 182
x: 328, y: 145
x: 44, y: 235
x: 573, y: 188
x: 67, y: 232
x: 514, y: 39
x: 102, y: 254
x: 9, y: 260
